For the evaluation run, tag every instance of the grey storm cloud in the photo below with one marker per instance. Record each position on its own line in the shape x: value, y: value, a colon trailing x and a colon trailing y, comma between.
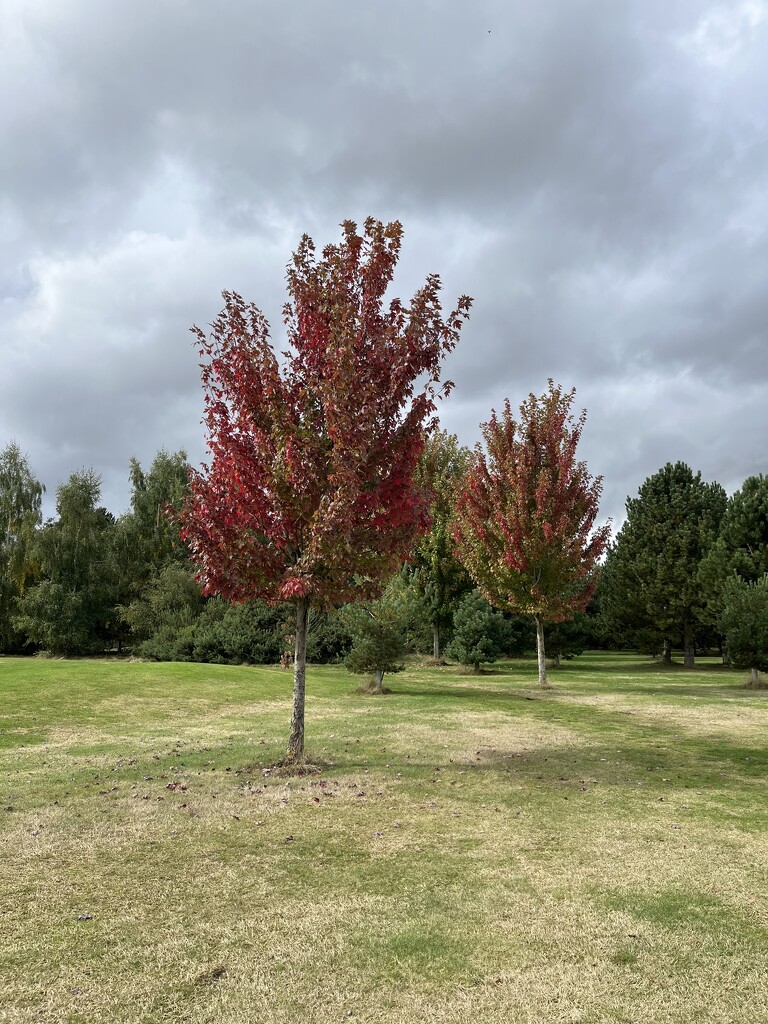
x: 593, y: 173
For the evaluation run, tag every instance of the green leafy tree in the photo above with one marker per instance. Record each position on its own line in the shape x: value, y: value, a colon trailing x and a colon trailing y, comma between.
x: 167, y: 609
x: 652, y: 588
x: 744, y: 622
x: 379, y: 630
x: 741, y: 546
x: 151, y: 536
x: 147, y: 537
x: 479, y: 632
x: 71, y: 610
x: 524, y: 523
x: 439, y: 576
x: 20, y: 499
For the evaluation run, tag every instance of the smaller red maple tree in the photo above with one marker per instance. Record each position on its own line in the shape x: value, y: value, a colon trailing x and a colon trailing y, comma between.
x: 310, y: 495
x: 524, y: 519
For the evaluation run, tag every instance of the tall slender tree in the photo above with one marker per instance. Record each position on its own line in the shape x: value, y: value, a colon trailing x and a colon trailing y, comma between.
x: 150, y: 534
x: 309, y: 496
x: 524, y: 523
x: 440, y: 578
x: 20, y: 500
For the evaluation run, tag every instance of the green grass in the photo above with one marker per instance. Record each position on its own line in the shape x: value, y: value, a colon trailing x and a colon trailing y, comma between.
x: 472, y: 849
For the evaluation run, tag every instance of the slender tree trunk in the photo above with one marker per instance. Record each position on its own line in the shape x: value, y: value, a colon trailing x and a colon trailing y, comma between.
x: 296, y: 741
x: 556, y: 661
x: 754, y: 677
x: 435, y: 641
x: 666, y: 657
x: 543, y: 682
x: 689, y: 650
x: 378, y: 680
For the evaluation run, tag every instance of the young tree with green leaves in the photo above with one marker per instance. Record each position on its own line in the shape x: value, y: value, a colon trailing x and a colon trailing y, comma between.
x: 524, y: 524
x: 651, y: 584
x: 152, y: 535
x: 20, y: 501
x: 148, y: 538
x: 439, y: 576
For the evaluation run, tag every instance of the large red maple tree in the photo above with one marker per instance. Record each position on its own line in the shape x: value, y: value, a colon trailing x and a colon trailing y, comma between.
x: 524, y: 520
x: 309, y: 495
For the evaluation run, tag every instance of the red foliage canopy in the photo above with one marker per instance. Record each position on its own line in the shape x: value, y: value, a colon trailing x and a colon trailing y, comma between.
x: 310, y: 493
x: 524, y: 520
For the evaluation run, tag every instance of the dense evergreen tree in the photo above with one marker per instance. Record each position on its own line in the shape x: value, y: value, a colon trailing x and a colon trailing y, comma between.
x: 162, y: 615
x: 479, y: 631
x: 378, y: 631
x: 741, y: 546
x: 650, y: 589
x: 744, y: 621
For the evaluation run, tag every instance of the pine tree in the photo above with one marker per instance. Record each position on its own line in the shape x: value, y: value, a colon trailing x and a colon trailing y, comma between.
x: 651, y: 576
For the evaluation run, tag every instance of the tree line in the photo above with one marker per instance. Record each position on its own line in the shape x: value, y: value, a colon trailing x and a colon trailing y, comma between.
x: 687, y: 571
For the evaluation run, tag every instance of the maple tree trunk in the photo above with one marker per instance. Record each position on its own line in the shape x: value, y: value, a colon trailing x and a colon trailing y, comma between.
x: 666, y: 657
x: 296, y: 740
x: 436, y: 642
x: 754, y: 677
x: 540, y: 651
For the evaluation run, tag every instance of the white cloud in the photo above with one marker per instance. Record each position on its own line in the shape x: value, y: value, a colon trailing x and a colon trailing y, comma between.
x: 725, y: 31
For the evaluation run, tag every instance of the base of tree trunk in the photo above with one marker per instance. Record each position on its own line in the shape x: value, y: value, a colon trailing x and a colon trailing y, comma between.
x: 754, y: 682
x: 290, y: 769
x: 371, y: 688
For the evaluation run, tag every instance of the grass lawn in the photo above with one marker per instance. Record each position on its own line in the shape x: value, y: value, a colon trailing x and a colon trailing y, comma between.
x: 471, y: 850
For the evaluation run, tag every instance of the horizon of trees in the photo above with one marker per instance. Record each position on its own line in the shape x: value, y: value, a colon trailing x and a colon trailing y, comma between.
x: 686, y: 572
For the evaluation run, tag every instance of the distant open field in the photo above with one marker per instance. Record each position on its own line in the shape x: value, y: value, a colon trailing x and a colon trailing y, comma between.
x: 471, y: 849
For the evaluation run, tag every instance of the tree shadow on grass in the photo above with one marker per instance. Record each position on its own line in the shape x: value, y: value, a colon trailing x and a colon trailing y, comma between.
x: 664, y: 766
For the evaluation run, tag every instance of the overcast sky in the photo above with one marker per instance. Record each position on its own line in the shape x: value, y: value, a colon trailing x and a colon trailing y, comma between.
x: 594, y: 173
